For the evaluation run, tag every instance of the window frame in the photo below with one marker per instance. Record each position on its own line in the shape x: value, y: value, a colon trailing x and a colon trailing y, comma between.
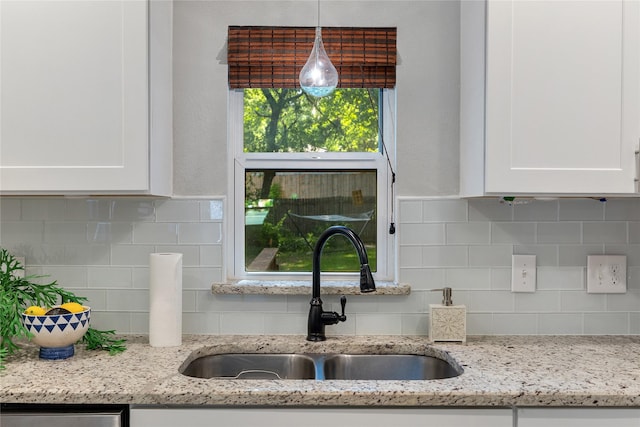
x: 239, y: 161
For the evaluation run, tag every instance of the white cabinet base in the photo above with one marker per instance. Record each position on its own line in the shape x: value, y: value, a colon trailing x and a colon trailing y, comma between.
x: 319, y: 417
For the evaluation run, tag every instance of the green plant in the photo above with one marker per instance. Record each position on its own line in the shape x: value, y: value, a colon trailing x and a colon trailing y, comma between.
x: 17, y: 293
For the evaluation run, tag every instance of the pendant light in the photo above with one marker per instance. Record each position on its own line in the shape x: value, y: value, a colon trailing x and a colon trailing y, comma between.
x: 318, y: 77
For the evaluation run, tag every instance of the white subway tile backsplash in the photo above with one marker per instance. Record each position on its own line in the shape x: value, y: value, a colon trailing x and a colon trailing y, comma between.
x: 500, y: 278
x: 415, y: 324
x: 536, y: 210
x: 581, y: 210
x: 631, y: 251
x: 537, y: 302
x: 177, y: 211
x: 285, y: 323
x: 445, y: 210
x: 87, y: 254
x: 490, y: 210
x: 65, y: 233
x: 604, y: 232
x: 634, y: 323
x: 43, y: 209
x: 479, y: 324
x: 513, y: 232
x: 493, y: 302
x: 633, y: 277
x: 622, y: 209
x: 131, y: 255
x: 10, y: 209
x: 201, y: 323
x: 112, y: 320
x: 96, y: 298
x: 634, y: 232
x: 238, y: 323
x: 410, y: 211
x: 73, y: 277
x: 410, y: 256
x: 421, y: 234
x: 490, y: 256
x: 559, y: 232
x: 211, y: 210
x: 128, y: 300
x: 581, y: 301
x: 423, y: 278
x: 210, y: 255
x: 606, y: 323
x: 200, y: 233
x: 576, y: 255
x: 140, y: 323
x: 468, y: 233
x: 445, y: 256
x: 629, y: 301
x: 560, y: 324
x: 155, y: 233
x: 515, y: 324
x: 22, y: 234
x: 468, y: 278
x: 99, y: 248
x: 110, y: 277
x: 562, y: 278
x: 378, y: 324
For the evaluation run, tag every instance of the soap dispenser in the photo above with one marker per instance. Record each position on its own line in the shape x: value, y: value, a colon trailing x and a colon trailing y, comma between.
x: 447, y: 322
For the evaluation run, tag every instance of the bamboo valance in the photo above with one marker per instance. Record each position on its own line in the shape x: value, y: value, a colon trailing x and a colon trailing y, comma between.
x: 272, y: 57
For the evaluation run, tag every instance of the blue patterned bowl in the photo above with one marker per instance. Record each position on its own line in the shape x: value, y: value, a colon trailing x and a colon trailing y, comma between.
x: 57, y: 330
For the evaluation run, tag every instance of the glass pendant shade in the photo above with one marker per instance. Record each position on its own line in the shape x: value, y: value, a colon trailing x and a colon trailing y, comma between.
x: 318, y: 77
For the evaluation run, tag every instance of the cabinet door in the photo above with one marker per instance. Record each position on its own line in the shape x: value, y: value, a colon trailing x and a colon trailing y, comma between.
x: 74, y: 101
x: 562, y: 92
x: 578, y: 417
x: 320, y: 417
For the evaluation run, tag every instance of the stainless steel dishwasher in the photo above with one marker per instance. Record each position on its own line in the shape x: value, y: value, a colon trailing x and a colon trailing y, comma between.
x: 29, y: 415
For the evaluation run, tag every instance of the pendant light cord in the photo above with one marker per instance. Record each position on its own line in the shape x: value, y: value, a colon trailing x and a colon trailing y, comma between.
x: 392, y: 224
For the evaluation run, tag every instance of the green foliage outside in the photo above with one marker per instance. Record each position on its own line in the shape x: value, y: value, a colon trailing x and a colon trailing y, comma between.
x: 290, y: 121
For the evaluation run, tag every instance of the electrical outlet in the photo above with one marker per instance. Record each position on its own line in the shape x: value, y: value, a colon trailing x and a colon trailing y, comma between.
x: 523, y: 273
x: 606, y: 274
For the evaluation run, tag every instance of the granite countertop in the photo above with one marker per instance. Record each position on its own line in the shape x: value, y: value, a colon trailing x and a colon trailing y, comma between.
x: 498, y: 371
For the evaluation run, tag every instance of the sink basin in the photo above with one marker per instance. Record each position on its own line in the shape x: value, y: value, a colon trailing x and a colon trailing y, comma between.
x: 320, y: 367
x: 252, y: 366
x: 386, y: 367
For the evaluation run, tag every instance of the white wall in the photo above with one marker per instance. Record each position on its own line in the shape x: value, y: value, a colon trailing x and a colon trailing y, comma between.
x: 427, y: 88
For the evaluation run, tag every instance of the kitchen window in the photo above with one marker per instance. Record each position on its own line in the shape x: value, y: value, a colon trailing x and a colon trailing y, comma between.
x: 300, y: 164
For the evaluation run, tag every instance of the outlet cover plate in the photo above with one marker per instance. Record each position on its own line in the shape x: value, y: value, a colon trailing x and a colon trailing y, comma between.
x: 606, y: 274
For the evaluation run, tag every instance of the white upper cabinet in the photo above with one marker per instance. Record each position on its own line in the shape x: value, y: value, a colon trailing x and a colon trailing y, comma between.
x: 550, y: 97
x: 86, y: 97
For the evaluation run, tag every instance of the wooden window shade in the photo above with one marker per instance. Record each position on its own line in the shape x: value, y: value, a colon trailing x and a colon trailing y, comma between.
x: 272, y: 57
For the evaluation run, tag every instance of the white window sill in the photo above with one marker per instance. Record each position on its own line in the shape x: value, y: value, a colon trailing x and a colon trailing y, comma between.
x: 303, y: 287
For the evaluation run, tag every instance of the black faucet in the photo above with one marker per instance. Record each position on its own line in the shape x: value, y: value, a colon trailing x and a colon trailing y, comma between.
x: 318, y: 318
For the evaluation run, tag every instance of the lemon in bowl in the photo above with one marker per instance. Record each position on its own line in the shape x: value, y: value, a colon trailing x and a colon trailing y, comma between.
x: 57, y: 333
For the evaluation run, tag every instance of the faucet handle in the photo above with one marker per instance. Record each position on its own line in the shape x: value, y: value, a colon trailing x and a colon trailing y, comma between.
x: 343, y: 304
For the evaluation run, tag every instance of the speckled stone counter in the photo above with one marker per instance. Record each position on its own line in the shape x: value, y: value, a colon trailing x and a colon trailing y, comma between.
x: 498, y: 371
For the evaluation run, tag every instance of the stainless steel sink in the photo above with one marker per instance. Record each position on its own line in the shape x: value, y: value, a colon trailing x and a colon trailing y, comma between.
x: 252, y: 366
x: 320, y: 367
x: 386, y: 367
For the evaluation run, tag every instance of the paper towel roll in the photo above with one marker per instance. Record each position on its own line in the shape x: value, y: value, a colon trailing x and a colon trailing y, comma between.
x: 165, y: 292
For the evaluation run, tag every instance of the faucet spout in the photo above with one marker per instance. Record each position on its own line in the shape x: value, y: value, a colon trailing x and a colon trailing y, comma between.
x: 318, y: 318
